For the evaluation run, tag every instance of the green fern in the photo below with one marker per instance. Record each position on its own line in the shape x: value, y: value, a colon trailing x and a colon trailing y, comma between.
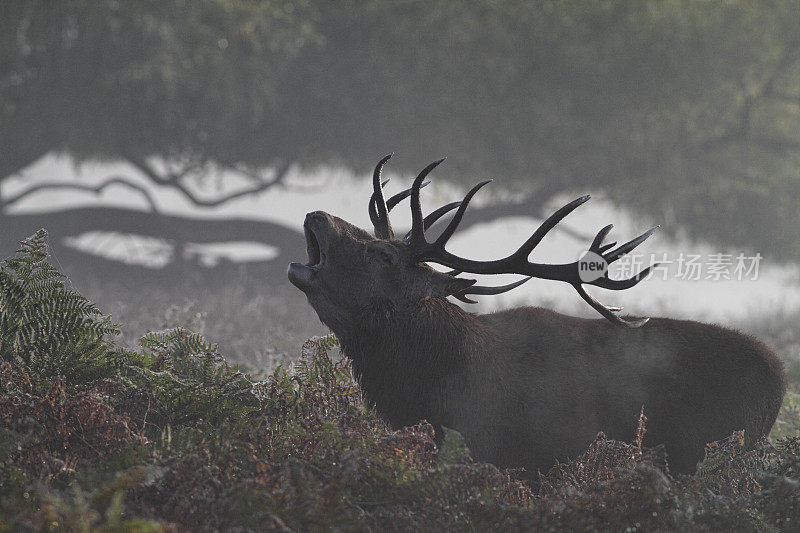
x: 176, y: 341
x: 45, y: 324
x: 192, y: 381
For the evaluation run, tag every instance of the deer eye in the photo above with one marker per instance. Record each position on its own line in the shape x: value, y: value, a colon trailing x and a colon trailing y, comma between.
x: 385, y: 257
x: 384, y: 254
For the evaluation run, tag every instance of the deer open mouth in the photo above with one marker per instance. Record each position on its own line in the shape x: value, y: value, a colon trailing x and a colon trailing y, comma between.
x: 302, y: 275
x: 312, y: 248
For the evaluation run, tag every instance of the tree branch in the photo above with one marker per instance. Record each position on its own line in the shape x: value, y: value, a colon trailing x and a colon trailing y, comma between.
x: 742, y: 131
x: 786, y: 98
x: 788, y: 59
x: 147, y: 170
x: 775, y: 144
x: 778, y: 145
x: 11, y: 165
x: 97, y: 189
x: 174, y: 182
x: 280, y: 172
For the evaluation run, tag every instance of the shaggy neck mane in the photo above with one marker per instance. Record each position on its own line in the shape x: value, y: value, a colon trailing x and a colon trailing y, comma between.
x: 403, y: 356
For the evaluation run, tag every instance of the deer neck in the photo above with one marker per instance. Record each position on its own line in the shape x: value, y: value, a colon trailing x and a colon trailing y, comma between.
x: 405, y: 358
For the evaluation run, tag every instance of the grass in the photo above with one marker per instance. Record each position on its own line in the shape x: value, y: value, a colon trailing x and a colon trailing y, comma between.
x: 260, y: 325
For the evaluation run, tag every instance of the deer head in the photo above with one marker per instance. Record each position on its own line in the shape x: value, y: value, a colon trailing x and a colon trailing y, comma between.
x: 348, y: 269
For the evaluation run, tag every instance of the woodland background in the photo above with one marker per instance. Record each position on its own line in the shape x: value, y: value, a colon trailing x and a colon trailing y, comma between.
x: 686, y: 113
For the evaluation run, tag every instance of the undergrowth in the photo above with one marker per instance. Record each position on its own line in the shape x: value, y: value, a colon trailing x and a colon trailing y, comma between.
x: 170, y: 437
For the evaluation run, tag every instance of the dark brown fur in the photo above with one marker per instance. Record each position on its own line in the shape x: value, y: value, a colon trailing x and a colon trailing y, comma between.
x: 530, y: 386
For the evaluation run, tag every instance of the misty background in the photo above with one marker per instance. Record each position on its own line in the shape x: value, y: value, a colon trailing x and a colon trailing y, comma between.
x: 172, y: 149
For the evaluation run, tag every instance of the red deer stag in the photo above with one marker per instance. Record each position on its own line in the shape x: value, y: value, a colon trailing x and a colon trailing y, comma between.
x: 524, y: 386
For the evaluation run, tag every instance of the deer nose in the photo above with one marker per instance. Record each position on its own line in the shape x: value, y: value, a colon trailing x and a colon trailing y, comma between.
x: 315, y: 216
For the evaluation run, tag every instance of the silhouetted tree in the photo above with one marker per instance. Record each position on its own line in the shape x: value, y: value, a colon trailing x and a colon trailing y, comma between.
x: 189, y: 83
x: 686, y: 110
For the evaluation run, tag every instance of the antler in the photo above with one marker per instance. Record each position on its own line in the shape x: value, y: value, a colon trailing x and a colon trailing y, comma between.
x: 481, y: 290
x: 397, y: 198
x: 517, y: 262
x: 378, y: 212
x: 379, y: 209
x: 383, y: 229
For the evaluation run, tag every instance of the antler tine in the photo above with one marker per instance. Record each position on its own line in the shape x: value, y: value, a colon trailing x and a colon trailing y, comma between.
x: 597, y: 245
x: 383, y: 228
x: 373, y: 201
x: 604, y: 248
x: 622, y: 284
x: 417, y: 222
x: 630, y: 245
x: 465, y: 299
x: 456, y: 220
x: 608, y: 312
x: 601, y: 235
x: 390, y: 203
x: 435, y: 215
x: 439, y: 213
x: 402, y: 195
x: 483, y: 290
x: 533, y: 241
x: 373, y: 214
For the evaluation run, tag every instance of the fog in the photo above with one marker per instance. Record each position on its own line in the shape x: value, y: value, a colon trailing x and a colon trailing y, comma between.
x: 173, y: 151
x: 772, y: 290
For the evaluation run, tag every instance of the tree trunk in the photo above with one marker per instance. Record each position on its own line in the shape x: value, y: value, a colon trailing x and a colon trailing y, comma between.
x: 82, y: 266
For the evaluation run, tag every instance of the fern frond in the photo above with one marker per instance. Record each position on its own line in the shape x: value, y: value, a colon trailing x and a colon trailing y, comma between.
x: 44, y: 323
